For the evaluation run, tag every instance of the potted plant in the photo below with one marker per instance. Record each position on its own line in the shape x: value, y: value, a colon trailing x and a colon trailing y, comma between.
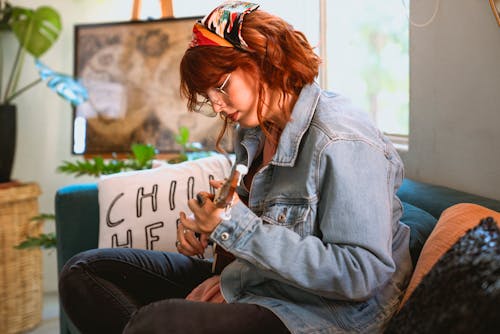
x: 36, y: 30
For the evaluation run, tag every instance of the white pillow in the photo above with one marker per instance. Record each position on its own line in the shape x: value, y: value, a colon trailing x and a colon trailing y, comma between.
x: 140, y: 209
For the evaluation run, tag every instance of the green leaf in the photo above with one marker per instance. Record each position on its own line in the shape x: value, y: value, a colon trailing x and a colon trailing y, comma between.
x: 183, y: 137
x: 142, y: 158
x: 97, y: 166
x: 37, y: 29
x: 43, y: 217
x: 5, y: 15
x: 43, y: 240
x: 143, y: 155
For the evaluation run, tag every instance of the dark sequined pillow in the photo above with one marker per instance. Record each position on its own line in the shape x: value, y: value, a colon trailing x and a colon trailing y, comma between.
x: 461, y: 293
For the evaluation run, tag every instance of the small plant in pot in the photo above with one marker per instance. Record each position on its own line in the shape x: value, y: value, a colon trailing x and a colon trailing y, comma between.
x: 35, y: 30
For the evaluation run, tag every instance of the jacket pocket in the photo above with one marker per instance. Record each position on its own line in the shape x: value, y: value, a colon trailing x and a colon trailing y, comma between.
x: 286, y: 214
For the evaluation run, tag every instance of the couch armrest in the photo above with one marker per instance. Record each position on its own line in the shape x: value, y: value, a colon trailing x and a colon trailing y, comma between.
x: 435, y: 199
x: 77, y: 229
x: 77, y: 220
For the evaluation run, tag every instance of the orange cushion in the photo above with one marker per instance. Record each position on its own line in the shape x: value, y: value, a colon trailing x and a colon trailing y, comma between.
x: 452, y: 225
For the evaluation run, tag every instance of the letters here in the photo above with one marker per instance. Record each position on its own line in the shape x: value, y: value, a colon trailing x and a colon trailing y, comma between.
x: 147, y: 202
x: 140, y: 209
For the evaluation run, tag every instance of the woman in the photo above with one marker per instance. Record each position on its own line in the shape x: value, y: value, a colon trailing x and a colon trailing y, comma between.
x: 314, y: 226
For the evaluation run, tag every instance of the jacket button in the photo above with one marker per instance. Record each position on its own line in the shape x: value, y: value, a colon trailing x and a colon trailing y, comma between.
x: 224, y: 236
x: 281, y: 217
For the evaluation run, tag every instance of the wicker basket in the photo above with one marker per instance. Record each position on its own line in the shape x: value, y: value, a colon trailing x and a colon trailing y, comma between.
x: 20, y: 270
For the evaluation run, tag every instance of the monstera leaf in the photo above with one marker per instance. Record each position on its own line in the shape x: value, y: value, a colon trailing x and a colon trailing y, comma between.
x: 5, y: 14
x: 37, y: 29
x: 64, y: 85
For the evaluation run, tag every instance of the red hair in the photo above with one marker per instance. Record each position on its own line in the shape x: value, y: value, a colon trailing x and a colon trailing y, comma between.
x: 280, y: 58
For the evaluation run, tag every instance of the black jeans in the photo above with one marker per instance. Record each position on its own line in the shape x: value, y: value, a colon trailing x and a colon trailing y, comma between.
x: 140, y: 291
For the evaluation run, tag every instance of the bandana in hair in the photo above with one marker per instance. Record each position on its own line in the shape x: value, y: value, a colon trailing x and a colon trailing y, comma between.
x: 222, y: 27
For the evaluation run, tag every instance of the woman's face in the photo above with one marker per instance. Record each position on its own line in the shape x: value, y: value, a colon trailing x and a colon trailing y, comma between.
x: 237, y: 99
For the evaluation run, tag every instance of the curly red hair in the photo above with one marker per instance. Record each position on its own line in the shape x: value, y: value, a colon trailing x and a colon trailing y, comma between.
x: 280, y: 57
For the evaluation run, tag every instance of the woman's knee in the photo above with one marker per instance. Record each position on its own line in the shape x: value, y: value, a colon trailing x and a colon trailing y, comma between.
x: 77, y: 266
x: 71, y: 272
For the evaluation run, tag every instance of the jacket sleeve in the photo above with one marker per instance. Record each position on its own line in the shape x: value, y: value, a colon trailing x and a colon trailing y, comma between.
x: 351, y: 255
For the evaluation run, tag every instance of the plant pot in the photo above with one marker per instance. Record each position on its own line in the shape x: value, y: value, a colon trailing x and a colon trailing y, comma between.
x: 7, y: 140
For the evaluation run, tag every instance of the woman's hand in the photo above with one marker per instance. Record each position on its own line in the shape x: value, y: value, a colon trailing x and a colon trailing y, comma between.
x: 188, y: 243
x: 206, y: 216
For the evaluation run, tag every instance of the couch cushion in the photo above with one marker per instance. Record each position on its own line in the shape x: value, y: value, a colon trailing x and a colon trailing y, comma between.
x: 421, y: 224
x: 435, y: 199
x: 453, y: 224
x: 461, y: 292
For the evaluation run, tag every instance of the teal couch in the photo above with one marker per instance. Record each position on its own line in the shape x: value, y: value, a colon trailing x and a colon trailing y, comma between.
x: 77, y: 219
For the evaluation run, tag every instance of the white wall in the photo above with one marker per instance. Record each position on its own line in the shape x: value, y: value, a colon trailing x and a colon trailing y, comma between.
x: 44, y: 119
x: 454, y: 97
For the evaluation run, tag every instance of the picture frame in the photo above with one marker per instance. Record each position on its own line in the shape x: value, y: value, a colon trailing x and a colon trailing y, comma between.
x: 131, y: 72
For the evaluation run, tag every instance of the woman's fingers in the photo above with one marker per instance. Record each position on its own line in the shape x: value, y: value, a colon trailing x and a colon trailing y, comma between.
x: 188, y: 223
x: 216, y: 183
x: 207, y: 218
x: 202, y: 197
x: 193, y: 241
x: 187, y: 243
x: 204, y: 238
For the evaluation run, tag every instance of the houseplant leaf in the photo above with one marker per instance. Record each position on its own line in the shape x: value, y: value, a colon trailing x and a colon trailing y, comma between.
x: 64, y: 85
x: 143, y: 154
x: 5, y: 14
x: 182, y: 137
x: 43, y: 240
x: 37, y: 29
x: 43, y: 217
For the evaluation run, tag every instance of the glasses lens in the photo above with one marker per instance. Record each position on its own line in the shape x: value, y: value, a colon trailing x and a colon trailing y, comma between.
x: 204, y: 107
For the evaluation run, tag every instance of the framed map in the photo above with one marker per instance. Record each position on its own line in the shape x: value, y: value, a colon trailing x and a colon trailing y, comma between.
x: 131, y: 72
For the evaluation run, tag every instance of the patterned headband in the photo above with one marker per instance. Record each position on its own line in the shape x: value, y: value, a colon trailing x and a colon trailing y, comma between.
x: 222, y: 27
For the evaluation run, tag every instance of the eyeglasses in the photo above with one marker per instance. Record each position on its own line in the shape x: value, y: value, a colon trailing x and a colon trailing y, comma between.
x: 205, y: 107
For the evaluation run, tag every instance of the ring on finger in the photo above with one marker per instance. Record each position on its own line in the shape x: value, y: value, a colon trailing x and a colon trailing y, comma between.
x: 185, y: 231
x: 177, y: 243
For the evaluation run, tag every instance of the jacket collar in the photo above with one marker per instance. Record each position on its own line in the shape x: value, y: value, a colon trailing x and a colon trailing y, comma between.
x: 302, y: 114
x: 288, y: 147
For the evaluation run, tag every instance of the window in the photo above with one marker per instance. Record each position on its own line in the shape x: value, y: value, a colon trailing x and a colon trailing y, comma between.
x: 368, y: 60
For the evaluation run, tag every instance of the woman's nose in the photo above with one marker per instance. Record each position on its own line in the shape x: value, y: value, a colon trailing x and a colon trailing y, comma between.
x: 217, y: 105
x: 217, y: 101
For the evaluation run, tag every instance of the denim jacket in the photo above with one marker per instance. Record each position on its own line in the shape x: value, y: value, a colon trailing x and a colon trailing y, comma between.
x: 320, y: 243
